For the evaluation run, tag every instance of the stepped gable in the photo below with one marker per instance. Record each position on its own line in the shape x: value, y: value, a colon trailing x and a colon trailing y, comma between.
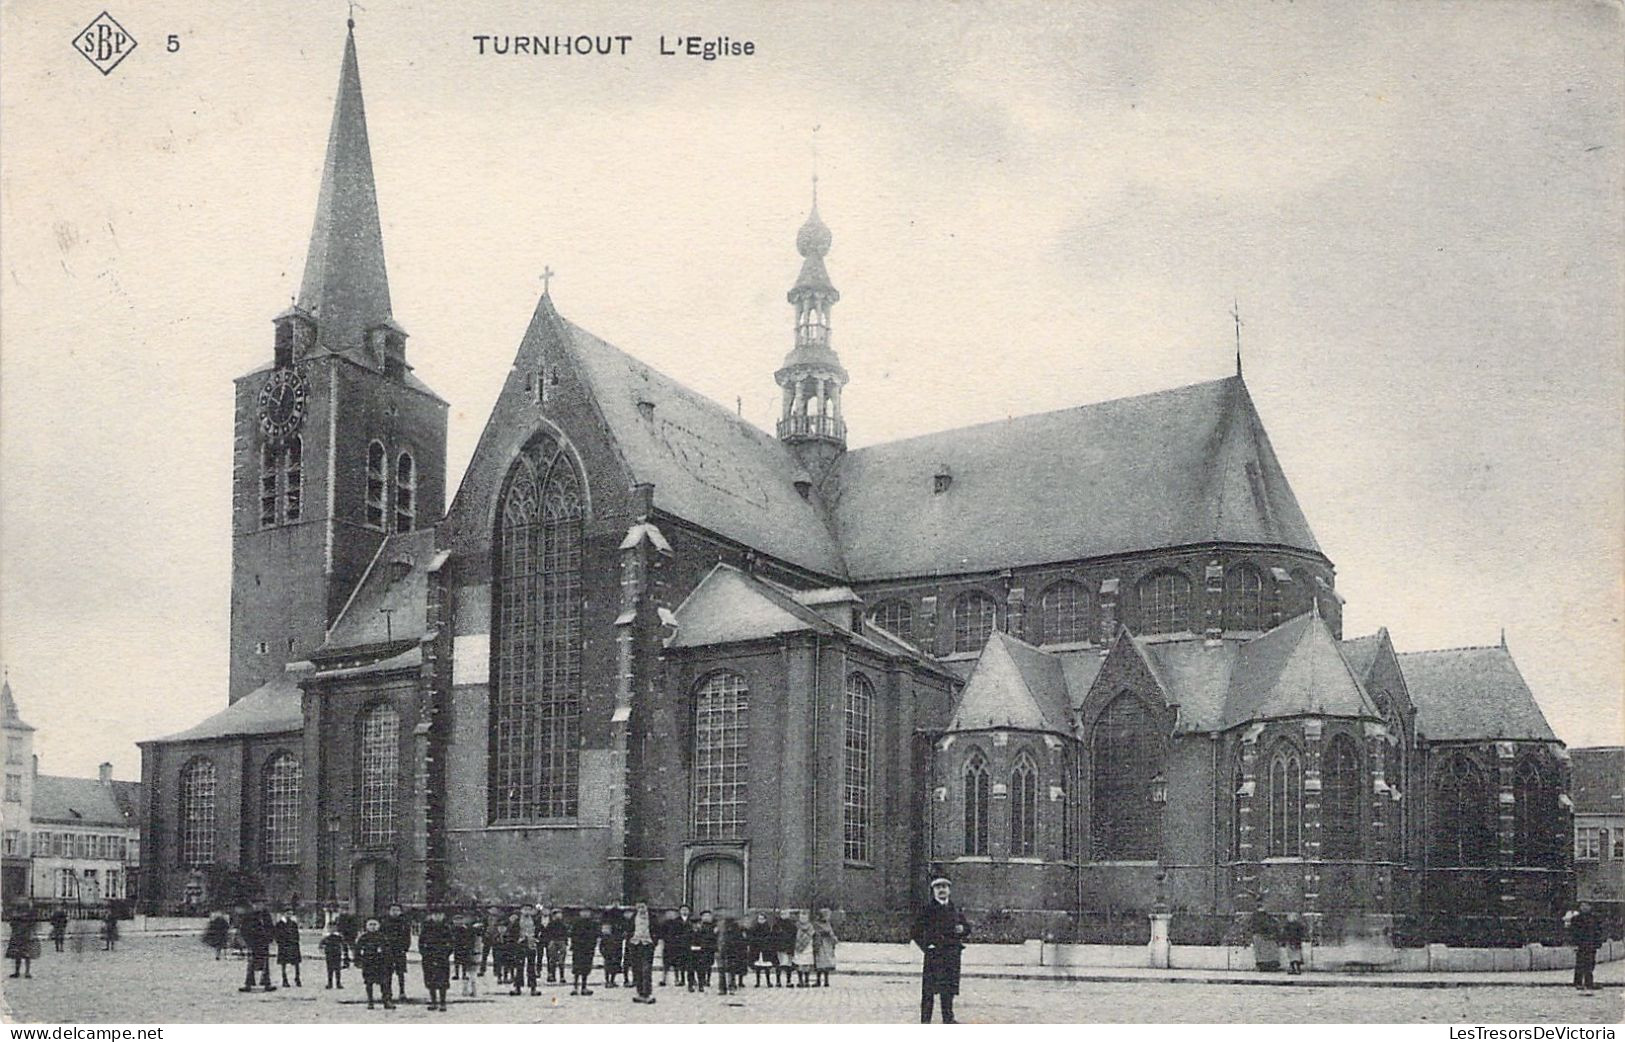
x: 1472, y: 694
x: 1174, y: 468
x: 1014, y: 685
x: 708, y: 466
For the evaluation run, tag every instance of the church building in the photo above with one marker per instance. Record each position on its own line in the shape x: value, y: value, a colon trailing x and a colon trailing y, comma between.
x: 1082, y: 661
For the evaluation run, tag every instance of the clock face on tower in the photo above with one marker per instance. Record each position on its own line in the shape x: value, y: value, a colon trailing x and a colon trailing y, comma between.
x: 282, y: 403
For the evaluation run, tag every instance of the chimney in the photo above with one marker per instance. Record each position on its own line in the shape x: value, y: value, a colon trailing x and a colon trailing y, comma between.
x: 943, y: 478
x: 104, y: 773
x: 36, y: 765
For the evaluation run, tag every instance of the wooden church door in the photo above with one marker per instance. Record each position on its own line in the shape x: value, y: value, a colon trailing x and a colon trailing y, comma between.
x: 717, y: 883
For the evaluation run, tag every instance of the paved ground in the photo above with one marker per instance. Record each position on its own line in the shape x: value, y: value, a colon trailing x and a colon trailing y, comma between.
x: 171, y: 979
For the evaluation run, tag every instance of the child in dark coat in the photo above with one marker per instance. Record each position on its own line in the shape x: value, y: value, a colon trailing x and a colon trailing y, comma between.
x: 287, y: 948
x: 556, y: 936
x: 434, y: 947
x: 376, y: 959
x: 611, y: 945
x: 583, y: 944
x: 333, y: 951
x: 216, y: 935
x: 465, y: 939
x: 702, y: 951
x: 733, y: 955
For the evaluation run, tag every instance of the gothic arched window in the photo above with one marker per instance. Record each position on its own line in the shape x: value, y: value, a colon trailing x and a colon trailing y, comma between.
x: 1340, y: 800
x: 268, y: 469
x: 377, y: 474
x: 1165, y: 603
x: 1464, y: 815
x: 536, y: 711
x: 976, y: 616
x: 1286, y: 802
x: 978, y: 799
x: 1238, y: 778
x: 280, y: 809
x: 1126, y: 755
x: 197, y: 813
x: 1024, y: 808
x: 380, y: 741
x: 721, y: 756
x: 406, y: 492
x: 858, y: 746
x: 1535, y: 816
x: 1063, y: 613
x: 1243, y: 598
x: 895, y: 617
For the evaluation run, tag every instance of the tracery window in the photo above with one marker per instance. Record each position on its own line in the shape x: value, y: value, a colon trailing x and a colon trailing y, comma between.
x: 536, y: 715
x: 1165, y: 601
x: 1024, y: 808
x: 1063, y: 613
x: 978, y: 800
x: 1243, y: 598
x: 380, y: 773
x: 1535, y: 816
x: 1286, y: 802
x: 1126, y: 754
x: 857, y: 740
x: 721, y: 760
x: 293, y: 478
x: 376, y: 477
x: 976, y: 616
x: 406, y: 492
x: 896, y: 617
x: 1340, y: 800
x: 1464, y: 829
x: 280, y: 811
x: 197, y: 813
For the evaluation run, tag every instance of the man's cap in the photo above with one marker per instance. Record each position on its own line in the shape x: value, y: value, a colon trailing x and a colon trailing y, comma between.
x: 941, y: 881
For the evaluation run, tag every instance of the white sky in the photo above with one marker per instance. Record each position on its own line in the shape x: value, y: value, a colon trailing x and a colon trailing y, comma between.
x: 1417, y: 205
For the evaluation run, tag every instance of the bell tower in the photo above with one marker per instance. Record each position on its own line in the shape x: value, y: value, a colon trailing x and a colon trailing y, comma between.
x: 810, y: 421
x: 338, y: 445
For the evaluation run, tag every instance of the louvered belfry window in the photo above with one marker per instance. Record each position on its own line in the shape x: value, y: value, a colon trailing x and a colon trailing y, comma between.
x: 536, y: 716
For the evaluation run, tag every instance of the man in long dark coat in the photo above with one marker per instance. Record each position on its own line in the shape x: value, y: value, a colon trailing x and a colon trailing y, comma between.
x: 257, y: 929
x: 1585, y: 929
x: 940, y: 930
x: 397, y: 931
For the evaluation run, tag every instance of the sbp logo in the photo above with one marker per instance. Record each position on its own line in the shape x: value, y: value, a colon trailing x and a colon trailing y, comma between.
x: 104, y: 43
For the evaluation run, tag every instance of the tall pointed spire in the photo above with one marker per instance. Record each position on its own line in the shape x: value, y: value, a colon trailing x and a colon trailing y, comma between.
x: 345, y: 288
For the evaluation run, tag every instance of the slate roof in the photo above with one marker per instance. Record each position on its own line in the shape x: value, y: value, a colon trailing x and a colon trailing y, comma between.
x: 1597, y: 779
x: 1472, y: 693
x: 1295, y: 669
x: 1361, y: 652
x: 363, y: 622
x: 1178, y: 467
x: 707, y: 465
x: 275, y: 707
x: 85, y: 801
x: 1014, y: 685
x: 8, y: 706
x: 345, y: 285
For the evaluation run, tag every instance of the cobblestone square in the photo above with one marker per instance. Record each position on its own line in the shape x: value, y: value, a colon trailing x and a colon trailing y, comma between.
x: 177, y: 980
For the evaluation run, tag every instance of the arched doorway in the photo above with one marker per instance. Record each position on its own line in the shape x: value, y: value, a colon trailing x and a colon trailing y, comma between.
x: 717, y: 882
x: 373, y: 887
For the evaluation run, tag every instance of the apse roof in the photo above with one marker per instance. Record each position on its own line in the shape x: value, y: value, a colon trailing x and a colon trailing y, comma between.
x: 1472, y: 693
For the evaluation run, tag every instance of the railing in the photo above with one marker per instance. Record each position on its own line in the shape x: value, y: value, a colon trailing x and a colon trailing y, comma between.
x: 812, y: 427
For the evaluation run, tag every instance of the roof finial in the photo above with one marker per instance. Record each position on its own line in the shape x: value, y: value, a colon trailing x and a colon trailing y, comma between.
x: 1503, y: 638
x: 547, y: 277
x: 350, y: 21
x: 1235, y: 313
x: 815, y: 165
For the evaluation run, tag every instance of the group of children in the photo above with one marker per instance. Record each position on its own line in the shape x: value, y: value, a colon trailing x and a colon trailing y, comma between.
x: 519, y: 946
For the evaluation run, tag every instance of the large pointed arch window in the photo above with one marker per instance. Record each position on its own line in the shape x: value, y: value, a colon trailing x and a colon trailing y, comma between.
x: 1063, y: 613
x: 721, y: 756
x: 1126, y: 754
x: 1238, y: 782
x: 978, y: 793
x: 1165, y: 603
x: 1243, y: 598
x: 280, y: 809
x: 380, y: 759
x: 197, y: 813
x: 1535, y: 816
x: 1464, y: 821
x: 1286, y: 802
x: 976, y: 616
x: 536, y: 713
x: 1340, y: 800
x: 1024, y: 808
x: 858, y: 747
x: 377, y: 475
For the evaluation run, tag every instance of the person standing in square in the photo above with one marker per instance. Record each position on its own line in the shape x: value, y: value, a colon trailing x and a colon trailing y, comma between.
x: 434, y: 946
x: 376, y: 958
x: 640, y: 954
x: 397, y: 931
x: 287, y: 948
x: 940, y: 930
x: 333, y: 953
